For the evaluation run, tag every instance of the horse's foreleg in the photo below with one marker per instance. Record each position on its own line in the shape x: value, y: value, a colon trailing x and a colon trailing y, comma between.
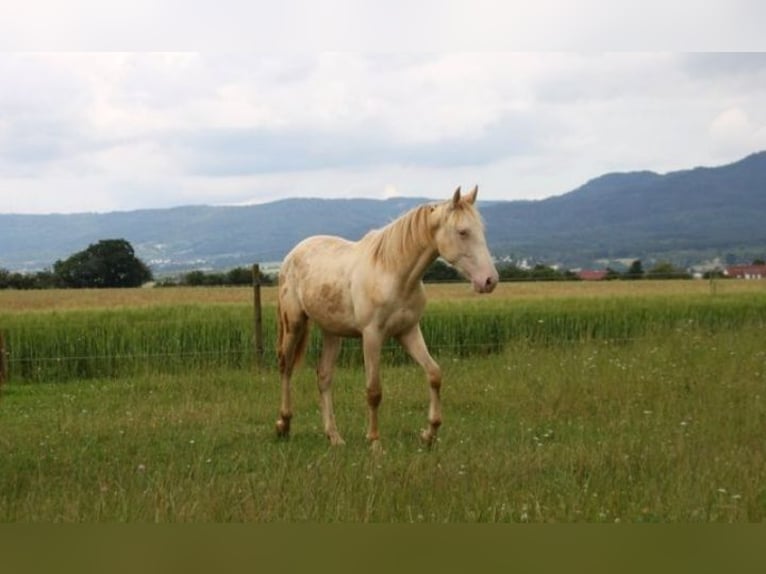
x: 372, y: 343
x: 415, y: 345
x: 325, y: 370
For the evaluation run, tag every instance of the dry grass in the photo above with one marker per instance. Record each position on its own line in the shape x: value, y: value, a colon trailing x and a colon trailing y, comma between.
x: 80, y: 299
x: 590, y: 289
x: 73, y: 299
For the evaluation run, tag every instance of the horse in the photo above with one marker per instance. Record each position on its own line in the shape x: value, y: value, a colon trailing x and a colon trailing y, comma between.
x: 373, y: 289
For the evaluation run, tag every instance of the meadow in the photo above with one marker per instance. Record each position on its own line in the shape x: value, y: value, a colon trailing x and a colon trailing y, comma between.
x: 613, y: 402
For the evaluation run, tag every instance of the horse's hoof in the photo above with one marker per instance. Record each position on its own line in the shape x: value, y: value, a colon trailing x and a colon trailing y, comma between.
x: 336, y: 440
x: 376, y: 448
x: 283, y: 428
x: 428, y: 437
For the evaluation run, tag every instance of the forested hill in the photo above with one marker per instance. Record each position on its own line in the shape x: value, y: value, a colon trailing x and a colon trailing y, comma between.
x: 692, y: 213
x: 194, y: 236
x: 683, y: 216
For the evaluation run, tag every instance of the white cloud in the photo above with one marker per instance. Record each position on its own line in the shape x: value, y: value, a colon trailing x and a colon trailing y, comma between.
x: 731, y: 125
x: 734, y: 131
x: 103, y: 131
x: 299, y: 26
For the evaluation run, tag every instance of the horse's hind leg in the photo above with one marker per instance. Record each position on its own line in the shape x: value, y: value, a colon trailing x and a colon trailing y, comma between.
x: 292, y: 343
x: 325, y: 369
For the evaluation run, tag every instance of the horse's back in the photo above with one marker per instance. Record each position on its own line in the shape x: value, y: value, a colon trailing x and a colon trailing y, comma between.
x: 317, y: 255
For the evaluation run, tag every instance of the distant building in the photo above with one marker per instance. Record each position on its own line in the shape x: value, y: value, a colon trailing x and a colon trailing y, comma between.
x: 592, y: 274
x: 746, y: 271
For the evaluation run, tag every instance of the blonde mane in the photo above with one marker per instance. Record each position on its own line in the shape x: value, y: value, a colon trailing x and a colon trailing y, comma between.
x: 411, y: 231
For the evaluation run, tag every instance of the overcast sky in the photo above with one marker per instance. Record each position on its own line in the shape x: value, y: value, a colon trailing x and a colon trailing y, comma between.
x: 103, y: 131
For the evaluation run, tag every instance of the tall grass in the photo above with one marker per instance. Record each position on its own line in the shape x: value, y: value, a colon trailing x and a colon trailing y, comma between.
x: 656, y: 429
x: 77, y: 344
x: 600, y: 409
x: 85, y: 344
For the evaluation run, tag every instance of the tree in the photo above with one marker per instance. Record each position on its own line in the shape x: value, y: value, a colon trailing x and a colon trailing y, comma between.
x: 542, y: 272
x: 636, y: 270
x: 440, y: 271
x: 611, y: 274
x: 108, y: 263
x: 194, y: 278
x: 666, y: 270
x: 39, y: 280
x: 511, y: 272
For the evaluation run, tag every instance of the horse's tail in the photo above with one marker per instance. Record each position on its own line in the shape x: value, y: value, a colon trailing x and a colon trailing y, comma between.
x: 301, y: 341
x: 280, y: 331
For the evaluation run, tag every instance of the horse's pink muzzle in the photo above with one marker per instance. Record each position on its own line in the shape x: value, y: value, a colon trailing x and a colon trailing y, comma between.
x: 486, y: 283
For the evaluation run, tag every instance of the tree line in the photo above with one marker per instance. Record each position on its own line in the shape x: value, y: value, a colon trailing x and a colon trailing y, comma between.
x: 113, y: 263
x: 439, y: 271
x: 108, y: 263
x: 238, y: 276
x: 443, y: 272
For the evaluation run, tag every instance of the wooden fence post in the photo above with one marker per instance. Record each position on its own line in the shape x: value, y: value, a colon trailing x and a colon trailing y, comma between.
x: 257, y: 317
x: 3, y: 361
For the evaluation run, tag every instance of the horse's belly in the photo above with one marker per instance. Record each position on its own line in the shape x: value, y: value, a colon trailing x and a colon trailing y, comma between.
x: 339, y: 329
x: 329, y: 305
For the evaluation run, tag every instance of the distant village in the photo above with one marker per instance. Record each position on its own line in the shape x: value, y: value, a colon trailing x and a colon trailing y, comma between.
x: 633, y: 268
x: 753, y: 271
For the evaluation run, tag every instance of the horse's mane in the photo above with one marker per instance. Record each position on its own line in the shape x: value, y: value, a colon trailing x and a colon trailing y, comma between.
x: 411, y: 231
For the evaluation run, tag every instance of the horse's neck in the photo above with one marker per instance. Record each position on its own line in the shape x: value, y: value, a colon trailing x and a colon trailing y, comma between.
x: 413, y: 264
x: 406, y: 248
x: 415, y: 275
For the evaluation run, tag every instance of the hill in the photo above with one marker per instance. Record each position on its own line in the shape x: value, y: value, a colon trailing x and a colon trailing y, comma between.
x: 192, y: 237
x: 684, y: 216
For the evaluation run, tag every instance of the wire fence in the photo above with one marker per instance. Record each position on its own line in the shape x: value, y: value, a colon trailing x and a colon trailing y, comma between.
x: 3, y: 360
x: 47, y: 347
x: 64, y: 365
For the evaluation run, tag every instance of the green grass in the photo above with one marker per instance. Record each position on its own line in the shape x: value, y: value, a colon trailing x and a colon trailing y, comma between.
x: 79, y: 344
x: 48, y: 346
x: 663, y: 427
x: 630, y: 408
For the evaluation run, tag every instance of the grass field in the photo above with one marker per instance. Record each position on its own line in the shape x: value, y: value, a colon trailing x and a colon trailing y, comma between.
x: 622, y: 402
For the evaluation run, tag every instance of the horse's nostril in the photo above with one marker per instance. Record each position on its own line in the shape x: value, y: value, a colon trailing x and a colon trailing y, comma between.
x: 489, y: 284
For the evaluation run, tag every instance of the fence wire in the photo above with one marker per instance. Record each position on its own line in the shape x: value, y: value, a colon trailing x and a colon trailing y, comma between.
x: 111, y: 343
x: 60, y: 367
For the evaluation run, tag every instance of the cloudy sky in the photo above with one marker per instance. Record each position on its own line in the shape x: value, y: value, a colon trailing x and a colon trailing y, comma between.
x: 117, y: 130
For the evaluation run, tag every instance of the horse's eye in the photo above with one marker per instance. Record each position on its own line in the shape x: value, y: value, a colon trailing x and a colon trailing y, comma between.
x: 462, y: 232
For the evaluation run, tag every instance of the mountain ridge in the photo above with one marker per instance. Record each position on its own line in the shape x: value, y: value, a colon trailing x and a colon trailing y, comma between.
x: 680, y: 216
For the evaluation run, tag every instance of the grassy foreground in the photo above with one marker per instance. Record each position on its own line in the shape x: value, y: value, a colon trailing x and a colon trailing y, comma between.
x: 657, y: 428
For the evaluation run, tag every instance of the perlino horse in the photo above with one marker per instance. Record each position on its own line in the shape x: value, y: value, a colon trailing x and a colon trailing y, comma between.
x: 373, y: 289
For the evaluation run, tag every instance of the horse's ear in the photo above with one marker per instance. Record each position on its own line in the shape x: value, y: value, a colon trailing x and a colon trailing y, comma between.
x: 471, y: 197
x: 456, y: 197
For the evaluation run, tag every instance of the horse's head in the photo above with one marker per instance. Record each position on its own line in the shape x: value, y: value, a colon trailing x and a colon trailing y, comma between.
x: 459, y: 235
